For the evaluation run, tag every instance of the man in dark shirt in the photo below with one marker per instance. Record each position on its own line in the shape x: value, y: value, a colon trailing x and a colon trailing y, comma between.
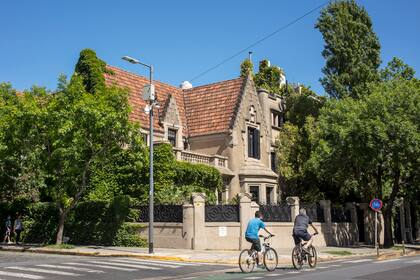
x: 300, y: 229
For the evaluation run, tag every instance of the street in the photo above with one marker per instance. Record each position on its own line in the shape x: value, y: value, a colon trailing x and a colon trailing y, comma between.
x: 43, y: 266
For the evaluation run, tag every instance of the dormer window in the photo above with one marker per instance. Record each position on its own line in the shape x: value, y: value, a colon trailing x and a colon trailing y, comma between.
x: 172, y: 137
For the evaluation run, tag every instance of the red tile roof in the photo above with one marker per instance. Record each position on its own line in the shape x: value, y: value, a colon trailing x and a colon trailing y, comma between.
x: 134, y: 84
x: 210, y: 108
x: 203, y: 110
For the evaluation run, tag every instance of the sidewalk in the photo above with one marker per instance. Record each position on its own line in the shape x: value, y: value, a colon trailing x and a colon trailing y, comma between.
x: 221, y: 257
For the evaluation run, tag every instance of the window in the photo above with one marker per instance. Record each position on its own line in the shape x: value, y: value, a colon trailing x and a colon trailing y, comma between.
x: 172, y: 137
x: 273, y: 159
x: 276, y: 119
x: 255, y: 192
x: 144, y: 136
x: 268, y: 194
x: 253, y: 143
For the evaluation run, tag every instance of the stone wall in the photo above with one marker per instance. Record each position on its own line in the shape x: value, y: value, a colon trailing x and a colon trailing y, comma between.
x: 196, y: 233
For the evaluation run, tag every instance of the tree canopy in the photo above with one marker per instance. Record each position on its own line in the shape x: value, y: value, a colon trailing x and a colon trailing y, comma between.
x: 351, y: 51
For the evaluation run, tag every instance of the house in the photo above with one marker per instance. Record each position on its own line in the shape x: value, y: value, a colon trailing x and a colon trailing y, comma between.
x: 231, y: 125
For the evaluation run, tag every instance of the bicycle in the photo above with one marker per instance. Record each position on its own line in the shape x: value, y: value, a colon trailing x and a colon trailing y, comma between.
x: 299, y: 255
x: 248, y: 257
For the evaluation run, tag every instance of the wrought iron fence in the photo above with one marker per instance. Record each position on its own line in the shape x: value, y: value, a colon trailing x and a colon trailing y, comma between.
x: 339, y: 215
x: 314, y: 211
x: 221, y: 213
x: 276, y: 212
x: 162, y: 213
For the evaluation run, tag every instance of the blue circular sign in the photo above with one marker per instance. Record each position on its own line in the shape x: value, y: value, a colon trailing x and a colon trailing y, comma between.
x: 376, y: 204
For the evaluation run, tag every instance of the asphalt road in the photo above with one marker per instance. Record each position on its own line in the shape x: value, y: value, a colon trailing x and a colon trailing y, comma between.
x: 39, y: 266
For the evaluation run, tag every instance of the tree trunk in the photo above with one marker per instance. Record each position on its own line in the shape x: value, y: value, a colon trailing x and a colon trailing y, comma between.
x: 60, y: 230
x: 388, y: 240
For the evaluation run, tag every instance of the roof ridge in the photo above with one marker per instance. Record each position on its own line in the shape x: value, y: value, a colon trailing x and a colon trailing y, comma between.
x: 212, y: 84
x: 143, y: 77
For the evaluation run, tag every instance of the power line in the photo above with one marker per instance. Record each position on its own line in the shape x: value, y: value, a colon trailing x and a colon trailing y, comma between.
x: 260, y: 41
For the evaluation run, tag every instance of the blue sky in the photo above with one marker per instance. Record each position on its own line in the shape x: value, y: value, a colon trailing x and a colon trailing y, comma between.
x: 41, y: 39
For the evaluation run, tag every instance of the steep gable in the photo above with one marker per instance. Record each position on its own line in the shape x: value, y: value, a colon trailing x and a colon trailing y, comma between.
x: 210, y: 108
x: 135, y: 84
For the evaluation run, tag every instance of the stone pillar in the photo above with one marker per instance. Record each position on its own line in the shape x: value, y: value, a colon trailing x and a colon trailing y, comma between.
x: 199, y: 240
x: 188, y: 225
x: 244, y: 216
x: 293, y: 201
x: 351, y: 206
x: 326, y: 209
x: 262, y: 194
x: 328, y: 230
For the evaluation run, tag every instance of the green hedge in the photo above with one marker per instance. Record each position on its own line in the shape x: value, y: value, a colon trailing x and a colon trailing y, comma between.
x: 90, y: 223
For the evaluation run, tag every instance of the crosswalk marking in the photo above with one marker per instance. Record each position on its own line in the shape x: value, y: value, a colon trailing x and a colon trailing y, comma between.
x: 40, y: 270
x: 387, y: 261
x: 272, y: 274
x: 358, y: 261
x: 125, y: 265
x: 70, y: 268
x: 20, y: 275
x: 103, y: 266
x: 171, y: 262
x: 147, y: 262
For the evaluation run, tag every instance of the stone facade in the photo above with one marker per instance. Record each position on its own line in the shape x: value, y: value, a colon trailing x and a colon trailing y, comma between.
x: 230, y: 124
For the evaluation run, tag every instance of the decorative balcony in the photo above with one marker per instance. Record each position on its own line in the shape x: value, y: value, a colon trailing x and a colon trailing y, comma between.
x: 218, y: 161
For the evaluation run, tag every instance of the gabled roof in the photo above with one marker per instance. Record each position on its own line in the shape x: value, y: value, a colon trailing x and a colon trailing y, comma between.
x: 203, y: 110
x: 210, y: 108
x: 135, y: 84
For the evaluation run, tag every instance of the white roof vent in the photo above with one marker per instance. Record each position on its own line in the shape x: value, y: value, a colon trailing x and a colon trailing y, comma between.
x: 186, y: 85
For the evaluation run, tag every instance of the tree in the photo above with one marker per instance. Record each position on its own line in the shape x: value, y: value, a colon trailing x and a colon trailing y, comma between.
x: 84, y: 129
x: 397, y: 69
x: 351, y: 51
x: 294, y: 145
x: 371, y: 146
x: 20, y: 142
x: 268, y: 77
x: 91, y: 70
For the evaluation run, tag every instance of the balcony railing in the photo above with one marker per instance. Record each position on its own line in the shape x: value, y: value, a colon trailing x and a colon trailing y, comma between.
x: 213, y: 160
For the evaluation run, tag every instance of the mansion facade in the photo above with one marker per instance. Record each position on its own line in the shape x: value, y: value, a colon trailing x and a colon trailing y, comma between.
x: 230, y: 125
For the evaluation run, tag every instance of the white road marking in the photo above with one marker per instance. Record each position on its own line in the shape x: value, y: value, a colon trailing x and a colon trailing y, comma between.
x: 125, y: 265
x: 321, y: 267
x: 415, y: 261
x: 103, y: 266
x: 48, y: 271
x: 255, y: 277
x: 358, y: 261
x: 272, y: 274
x: 168, y: 262
x: 146, y: 262
x: 192, y: 277
x: 293, y: 272
x: 387, y: 261
x: 71, y: 268
x: 20, y: 275
x: 335, y: 265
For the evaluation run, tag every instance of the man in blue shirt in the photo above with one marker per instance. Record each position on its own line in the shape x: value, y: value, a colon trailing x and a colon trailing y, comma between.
x: 251, y: 234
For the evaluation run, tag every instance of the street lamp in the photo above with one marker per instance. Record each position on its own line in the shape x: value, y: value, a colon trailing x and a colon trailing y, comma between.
x: 148, y: 95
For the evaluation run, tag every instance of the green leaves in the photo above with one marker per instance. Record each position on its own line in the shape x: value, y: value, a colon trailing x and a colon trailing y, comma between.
x: 352, y: 50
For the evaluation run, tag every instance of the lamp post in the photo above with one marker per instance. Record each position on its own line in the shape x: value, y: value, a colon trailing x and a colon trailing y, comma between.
x: 148, y: 95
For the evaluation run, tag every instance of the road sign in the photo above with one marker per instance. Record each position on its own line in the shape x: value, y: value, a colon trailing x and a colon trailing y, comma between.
x: 376, y: 204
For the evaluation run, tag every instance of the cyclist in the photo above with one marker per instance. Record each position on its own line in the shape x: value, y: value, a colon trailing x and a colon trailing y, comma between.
x: 251, y: 234
x: 300, y: 229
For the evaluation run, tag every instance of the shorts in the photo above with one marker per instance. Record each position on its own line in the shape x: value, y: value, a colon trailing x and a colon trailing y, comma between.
x: 301, y: 235
x: 256, y: 244
x: 8, y: 231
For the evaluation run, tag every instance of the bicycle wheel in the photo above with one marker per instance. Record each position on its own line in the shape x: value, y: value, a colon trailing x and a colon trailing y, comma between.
x: 312, y: 256
x: 297, y: 258
x: 246, y: 261
x: 270, y: 259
